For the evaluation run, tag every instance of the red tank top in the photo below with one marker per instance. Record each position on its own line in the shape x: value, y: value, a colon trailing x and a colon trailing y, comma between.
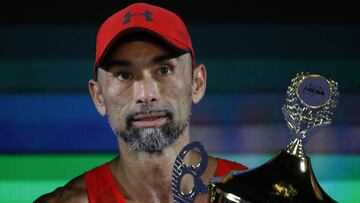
x: 102, y: 187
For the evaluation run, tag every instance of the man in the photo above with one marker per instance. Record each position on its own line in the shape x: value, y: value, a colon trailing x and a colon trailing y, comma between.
x: 146, y: 79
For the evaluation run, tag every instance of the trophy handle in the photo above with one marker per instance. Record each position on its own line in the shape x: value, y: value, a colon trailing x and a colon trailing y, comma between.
x: 181, y: 169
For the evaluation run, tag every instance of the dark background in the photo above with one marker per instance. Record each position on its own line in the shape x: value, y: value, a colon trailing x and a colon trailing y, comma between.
x: 251, y: 49
x: 225, y: 11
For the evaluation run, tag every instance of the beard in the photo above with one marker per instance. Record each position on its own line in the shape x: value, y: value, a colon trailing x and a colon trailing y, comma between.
x: 153, y: 139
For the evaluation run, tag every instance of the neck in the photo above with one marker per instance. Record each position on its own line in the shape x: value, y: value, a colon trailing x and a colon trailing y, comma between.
x: 144, y: 174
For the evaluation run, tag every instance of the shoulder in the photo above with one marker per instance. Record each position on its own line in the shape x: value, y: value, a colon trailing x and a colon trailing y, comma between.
x: 231, y: 164
x: 225, y: 166
x: 74, y: 191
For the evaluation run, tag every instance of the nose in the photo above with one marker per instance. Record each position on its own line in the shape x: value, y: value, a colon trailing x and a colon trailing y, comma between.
x: 146, y: 91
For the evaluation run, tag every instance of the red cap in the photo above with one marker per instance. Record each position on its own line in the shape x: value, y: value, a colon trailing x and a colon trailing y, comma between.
x: 140, y: 16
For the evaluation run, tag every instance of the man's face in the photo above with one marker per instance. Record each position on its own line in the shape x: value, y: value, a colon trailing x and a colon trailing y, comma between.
x: 147, y: 94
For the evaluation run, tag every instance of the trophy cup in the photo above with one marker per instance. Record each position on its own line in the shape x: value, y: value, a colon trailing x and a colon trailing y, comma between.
x: 310, y: 103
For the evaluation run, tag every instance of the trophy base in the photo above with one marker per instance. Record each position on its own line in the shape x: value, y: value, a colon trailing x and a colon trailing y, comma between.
x: 285, y: 178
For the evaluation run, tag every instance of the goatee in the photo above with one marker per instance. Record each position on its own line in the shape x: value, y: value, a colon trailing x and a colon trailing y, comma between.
x: 152, y: 139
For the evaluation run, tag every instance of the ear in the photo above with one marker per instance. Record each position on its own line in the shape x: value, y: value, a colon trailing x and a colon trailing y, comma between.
x: 97, y: 97
x: 199, y: 83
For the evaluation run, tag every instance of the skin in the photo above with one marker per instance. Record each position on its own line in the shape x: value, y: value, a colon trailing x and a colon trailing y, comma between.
x: 171, y: 82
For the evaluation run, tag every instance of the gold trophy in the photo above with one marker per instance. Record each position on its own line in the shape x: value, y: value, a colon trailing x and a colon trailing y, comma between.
x: 310, y: 103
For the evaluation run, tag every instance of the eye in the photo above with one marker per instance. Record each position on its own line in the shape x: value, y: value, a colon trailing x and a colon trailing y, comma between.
x: 123, y: 75
x: 164, y: 70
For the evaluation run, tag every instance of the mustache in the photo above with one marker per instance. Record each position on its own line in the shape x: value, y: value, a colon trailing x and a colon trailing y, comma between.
x: 148, y: 110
